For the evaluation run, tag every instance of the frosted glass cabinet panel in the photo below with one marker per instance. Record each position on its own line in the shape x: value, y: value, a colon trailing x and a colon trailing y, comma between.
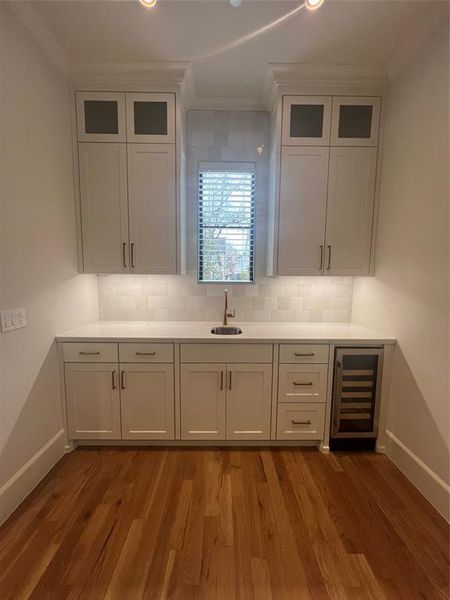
x: 355, y: 121
x: 151, y: 118
x: 306, y: 120
x: 101, y: 116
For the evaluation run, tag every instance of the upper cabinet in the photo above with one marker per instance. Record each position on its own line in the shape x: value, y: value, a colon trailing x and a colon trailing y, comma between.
x: 151, y: 118
x: 306, y: 120
x: 355, y: 121
x: 101, y: 116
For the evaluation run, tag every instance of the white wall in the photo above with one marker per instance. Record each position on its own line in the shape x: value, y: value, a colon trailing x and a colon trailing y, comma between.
x: 409, y: 295
x: 38, y: 267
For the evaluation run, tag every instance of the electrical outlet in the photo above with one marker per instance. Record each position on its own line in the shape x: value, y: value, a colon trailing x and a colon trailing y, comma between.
x: 14, y: 318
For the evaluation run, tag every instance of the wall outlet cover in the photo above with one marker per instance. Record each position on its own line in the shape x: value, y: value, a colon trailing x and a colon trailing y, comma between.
x: 14, y: 318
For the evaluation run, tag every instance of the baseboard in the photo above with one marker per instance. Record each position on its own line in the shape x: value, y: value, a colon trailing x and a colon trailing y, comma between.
x: 199, y: 443
x: 435, y: 489
x: 20, y: 485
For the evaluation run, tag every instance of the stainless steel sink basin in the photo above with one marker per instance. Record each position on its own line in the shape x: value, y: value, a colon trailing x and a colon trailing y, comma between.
x: 226, y: 330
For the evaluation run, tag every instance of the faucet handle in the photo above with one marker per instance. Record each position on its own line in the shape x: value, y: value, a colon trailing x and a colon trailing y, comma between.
x: 231, y: 313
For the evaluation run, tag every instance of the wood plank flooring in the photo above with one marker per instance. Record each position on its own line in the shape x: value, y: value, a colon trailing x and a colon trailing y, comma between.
x: 248, y: 524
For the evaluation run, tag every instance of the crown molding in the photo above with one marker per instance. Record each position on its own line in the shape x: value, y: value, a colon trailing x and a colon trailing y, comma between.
x: 140, y: 72
x: 298, y: 78
x: 32, y: 20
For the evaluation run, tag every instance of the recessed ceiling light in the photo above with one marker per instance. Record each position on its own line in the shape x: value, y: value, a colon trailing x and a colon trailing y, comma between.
x: 235, y: 3
x: 313, y: 4
x: 148, y: 3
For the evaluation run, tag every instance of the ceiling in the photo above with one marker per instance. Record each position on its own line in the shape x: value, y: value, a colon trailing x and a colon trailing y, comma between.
x: 341, y: 32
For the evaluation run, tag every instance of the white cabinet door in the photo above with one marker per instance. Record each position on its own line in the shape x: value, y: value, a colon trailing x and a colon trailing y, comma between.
x: 104, y: 207
x: 151, y: 118
x: 101, y: 116
x: 203, y: 401
x: 249, y: 401
x: 147, y: 401
x: 306, y: 120
x: 152, y: 208
x: 351, y: 190
x: 303, y: 202
x: 93, y: 401
x: 355, y: 121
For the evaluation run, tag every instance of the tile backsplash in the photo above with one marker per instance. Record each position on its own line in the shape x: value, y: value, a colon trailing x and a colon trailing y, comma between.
x: 235, y: 136
x: 181, y: 298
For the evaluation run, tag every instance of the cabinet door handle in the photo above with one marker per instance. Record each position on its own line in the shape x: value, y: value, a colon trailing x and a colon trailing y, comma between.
x: 329, y: 258
x: 221, y: 381
x: 301, y: 422
x: 302, y: 383
x: 124, y: 254
x: 231, y: 379
x: 145, y: 353
x: 122, y: 380
x: 304, y: 354
x: 132, y: 256
x: 88, y: 353
x: 321, y: 258
x: 113, y: 380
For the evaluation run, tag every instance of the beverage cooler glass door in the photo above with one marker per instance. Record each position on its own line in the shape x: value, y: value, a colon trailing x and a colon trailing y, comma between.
x: 356, y: 393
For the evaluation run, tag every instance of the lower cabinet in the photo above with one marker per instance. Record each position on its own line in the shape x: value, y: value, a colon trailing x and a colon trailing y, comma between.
x: 147, y: 400
x: 220, y: 401
x: 93, y: 400
x: 300, y: 421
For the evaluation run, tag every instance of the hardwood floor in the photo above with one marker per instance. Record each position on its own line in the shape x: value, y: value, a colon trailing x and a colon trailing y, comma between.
x: 253, y: 524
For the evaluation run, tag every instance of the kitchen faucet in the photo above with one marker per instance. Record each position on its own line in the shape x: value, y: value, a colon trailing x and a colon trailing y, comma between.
x: 227, y: 314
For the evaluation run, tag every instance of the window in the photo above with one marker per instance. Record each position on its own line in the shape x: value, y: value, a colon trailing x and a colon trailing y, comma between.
x: 226, y: 223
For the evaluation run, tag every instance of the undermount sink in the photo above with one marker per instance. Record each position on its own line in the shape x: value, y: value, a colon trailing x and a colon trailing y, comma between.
x: 226, y: 330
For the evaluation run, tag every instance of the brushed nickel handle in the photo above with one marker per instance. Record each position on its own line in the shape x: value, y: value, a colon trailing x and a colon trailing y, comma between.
x: 122, y: 380
x: 304, y: 354
x: 301, y: 422
x: 132, y: 256
x: 113, y: 380
x: 145, y: 353
x: 329, y: 258
x: 321, y: 257
x: 88, y: 353
x: 231, y: 379
x: 124, y: 254
x: 221, y: 381
x: 302, y: 383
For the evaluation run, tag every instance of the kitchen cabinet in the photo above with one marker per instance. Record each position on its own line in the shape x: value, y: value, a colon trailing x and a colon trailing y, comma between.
x: 147, y: 401
x: 351, y: 192
x: 303, y: 205
x: 104, y: 207
x: 306, y: 120
x: 203, y: 401
x: 249, y: 401
x: 150, y: 118
x: 300, y: 421
x: 100, y: 116
x: 355, y: 121
x: 93, y: 400
x: 152, y: 208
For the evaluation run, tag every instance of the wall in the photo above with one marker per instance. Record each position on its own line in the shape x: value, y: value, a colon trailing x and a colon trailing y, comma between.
x: 409, y: 295
x: 37, y: 258
x: 226, y: 136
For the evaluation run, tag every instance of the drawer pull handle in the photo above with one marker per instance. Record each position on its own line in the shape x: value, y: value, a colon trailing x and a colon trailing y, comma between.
x: 122, y: 380
x: 301, y: 422
x: 304, y: 354
x: 88, y: 353
x: 113, y: 380
x: 145, y: 353
x: 221, y: 381
x: 301, y: 383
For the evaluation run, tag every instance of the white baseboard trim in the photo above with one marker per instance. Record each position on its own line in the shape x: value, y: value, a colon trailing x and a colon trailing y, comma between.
x: 435, y: 489
x: 21, y: 484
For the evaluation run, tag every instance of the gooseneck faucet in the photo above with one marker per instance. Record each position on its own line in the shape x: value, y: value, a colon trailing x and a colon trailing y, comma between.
x: 227, y: 314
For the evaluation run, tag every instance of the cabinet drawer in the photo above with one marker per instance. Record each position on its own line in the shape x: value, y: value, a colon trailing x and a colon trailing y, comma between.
x: 304, y: 353
x: 145, y: 353
x: 300, y: 421
x: 90, y: 352
x: 302, y: 383
x: 231, y: 353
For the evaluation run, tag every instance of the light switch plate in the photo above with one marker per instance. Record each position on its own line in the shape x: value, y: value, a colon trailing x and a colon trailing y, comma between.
x: 14, y: 318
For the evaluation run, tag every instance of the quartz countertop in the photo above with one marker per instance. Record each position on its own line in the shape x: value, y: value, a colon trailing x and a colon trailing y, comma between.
x: 200, y: 331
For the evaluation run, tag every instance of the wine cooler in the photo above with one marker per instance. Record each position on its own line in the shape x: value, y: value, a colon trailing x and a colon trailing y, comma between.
x: 356, y: 397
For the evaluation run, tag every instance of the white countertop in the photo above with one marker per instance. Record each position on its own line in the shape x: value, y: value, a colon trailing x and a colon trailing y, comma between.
x: 200, y: 331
